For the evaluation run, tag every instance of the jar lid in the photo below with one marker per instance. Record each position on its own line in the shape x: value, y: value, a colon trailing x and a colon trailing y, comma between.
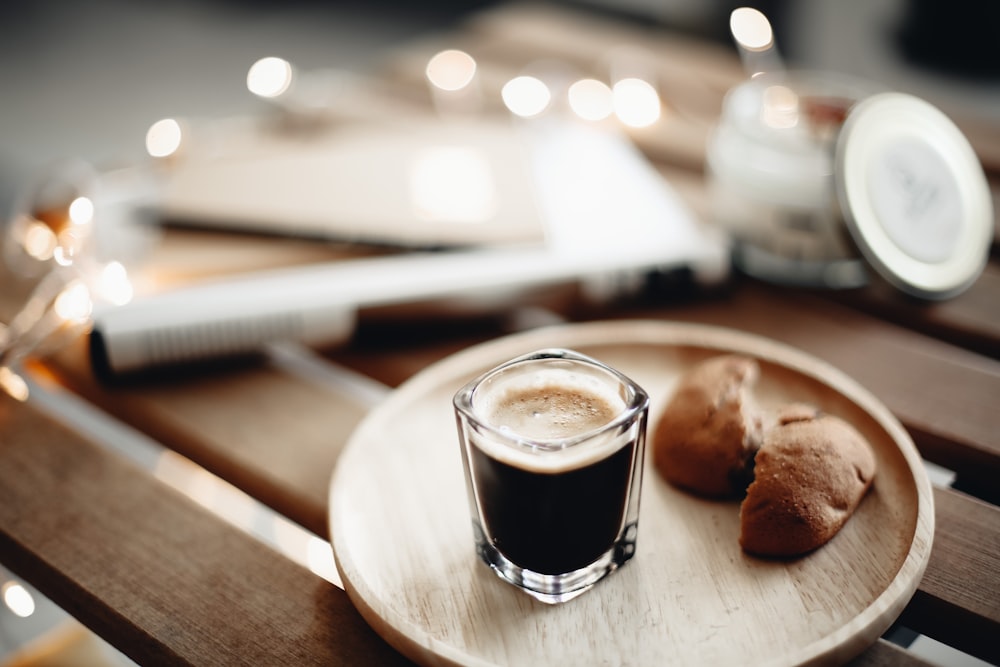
x: 913, y: 195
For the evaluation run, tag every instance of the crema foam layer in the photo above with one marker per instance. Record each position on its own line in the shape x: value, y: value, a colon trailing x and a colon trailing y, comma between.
x: 550, y: 408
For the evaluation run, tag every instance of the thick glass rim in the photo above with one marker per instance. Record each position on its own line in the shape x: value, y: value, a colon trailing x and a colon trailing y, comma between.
x: 636, y: 401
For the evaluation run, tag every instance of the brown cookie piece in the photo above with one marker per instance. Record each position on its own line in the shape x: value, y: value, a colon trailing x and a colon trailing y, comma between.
x: 710, y: 429
x: 810, y: 474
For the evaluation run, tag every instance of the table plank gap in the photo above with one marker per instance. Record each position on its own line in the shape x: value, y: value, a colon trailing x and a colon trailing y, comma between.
x: 958, y: 600
x: 152, y: 572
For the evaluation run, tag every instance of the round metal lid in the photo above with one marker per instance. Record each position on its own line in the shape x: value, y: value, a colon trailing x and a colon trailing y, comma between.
x: 913, y: 195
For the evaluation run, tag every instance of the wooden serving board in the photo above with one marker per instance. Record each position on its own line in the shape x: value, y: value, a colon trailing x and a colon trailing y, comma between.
x: 403, y: 540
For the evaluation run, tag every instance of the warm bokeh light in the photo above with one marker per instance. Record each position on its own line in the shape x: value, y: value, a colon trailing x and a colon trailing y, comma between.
x: 18, y: 599
x: 751, y: 29
x: 526, y: 96
x: 13, y: 384
x: 69, y: 244
x: 780, y: 107
x: 81, y: 211
x: 636, y: 102
x: 163, y: 138
x: 452, y: 184
x: 113, y: 284
x: 269, y: 77
x: 74, y: 303
x: 39, y: 241
x: 591, y: 99
x: 451, y: 70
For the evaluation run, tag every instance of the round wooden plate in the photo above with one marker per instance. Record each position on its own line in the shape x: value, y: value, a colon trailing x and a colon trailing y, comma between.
x: 403, y: 542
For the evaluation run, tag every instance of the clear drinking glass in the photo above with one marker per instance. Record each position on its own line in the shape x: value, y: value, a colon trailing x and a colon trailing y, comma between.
x: 553, y: 444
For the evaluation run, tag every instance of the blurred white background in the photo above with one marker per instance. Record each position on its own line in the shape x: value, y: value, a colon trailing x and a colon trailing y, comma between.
x: 86, y: 79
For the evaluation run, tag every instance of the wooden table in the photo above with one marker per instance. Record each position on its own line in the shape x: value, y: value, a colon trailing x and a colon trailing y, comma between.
x: 168, y: 581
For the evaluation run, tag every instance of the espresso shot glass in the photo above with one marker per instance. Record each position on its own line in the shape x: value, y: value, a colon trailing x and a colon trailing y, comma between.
x: 553, y: 444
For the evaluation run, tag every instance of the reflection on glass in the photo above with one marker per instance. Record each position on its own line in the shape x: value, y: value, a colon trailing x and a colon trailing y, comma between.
x: 269, y: 77
x: 526, y: 96
x: 451, y: 70
x: 636, y: 102
x: 163, y: 138
x: 452, y: 184
x: 591, y: 99
x: 780, y: 107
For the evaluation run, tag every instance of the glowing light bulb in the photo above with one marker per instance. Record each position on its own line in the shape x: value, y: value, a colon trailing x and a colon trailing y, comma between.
x: 591, y: 99
x: 526, y: 96
x: 14, y: 385
x: 269, y: 77
x: 751, y: 29
x: 74, y: 303
x: 636, y: 102
x: 113, y: 284
x: 18, y: 599
x: 163, y: 138
x: 39, y: 241
x: 451, y: 70
x: 81, y: 211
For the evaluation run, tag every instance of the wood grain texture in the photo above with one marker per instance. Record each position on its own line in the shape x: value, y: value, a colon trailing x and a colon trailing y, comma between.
x: 125, y: 583
x: 268, y: 431
x: 404, y: 549
x: 156, y: 575
x: 885, y: 654
x: 956, y: 604
x: 970, y: 320
x: 283, y: 453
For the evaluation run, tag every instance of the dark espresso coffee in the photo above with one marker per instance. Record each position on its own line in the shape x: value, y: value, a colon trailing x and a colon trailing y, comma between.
x: 552, y: 444
x: 560, y: 511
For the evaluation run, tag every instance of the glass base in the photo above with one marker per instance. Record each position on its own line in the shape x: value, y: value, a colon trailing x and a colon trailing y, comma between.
x: 557, y: 588
x: 831, y: 273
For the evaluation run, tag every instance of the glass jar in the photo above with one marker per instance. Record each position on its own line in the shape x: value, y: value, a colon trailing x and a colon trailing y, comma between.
x: 770, y: 167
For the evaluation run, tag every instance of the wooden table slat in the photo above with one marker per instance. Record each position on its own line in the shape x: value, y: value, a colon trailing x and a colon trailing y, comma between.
x: 158, y: 576
x: 958, y: 603
x: 118, y: 573
x: 970, y: 320
x: 277, y: 437
x: 269, y: 432
x: 885, y: 654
